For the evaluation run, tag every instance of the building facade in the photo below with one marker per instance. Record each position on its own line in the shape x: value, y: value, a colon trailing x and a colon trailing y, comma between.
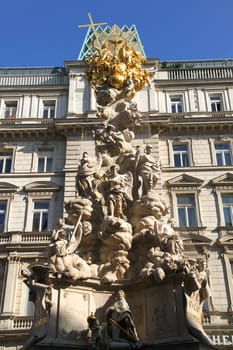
x: 47, y: 117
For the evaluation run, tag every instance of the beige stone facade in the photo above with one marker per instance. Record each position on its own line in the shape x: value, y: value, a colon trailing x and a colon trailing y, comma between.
x: 47, y: 116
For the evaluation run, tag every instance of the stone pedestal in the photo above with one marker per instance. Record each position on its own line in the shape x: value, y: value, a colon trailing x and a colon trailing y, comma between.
x: 158, y: 312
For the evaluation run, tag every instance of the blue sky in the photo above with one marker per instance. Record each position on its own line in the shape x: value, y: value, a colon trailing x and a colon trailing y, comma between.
x: 45, y: 32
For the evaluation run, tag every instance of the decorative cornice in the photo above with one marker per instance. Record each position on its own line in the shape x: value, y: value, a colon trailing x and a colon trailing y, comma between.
x: 41, y: 186
x: 223, y: 181
x: 7, y: 187
x: 164, y: 124
x: 184, y: 180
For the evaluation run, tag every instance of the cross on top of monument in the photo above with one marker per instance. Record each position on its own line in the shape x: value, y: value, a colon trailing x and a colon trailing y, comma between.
x: 99, y: 32
x: 91, y: 24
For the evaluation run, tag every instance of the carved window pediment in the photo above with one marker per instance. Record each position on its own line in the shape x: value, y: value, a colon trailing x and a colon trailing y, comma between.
x: 6, y: 187
x: 197, y: 243
x: 197, y: 239
x: 226, y: 242
x: 223, y: 180
x: 41, y: 186
x: 185, y: 180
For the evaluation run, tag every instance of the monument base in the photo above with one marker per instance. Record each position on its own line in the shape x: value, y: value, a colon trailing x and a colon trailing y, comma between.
x: 158, y: 314
x: 178, y: 346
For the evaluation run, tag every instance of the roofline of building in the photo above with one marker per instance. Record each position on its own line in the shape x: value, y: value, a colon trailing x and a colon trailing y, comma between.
x: 200, y: 63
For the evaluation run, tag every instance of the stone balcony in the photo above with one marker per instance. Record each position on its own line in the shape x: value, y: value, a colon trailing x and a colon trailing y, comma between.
x: 13, y: 323
x: 47, y: 76
x: 25, y: 238
x: 201, y: 73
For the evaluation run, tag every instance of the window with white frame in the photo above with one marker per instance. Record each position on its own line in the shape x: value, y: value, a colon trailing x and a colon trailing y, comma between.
x: 40, y: 215
x: 223, y: 154
x: 45, y: 161
x: 5, y: 161
x: 180, y: 155
x: 3, y: 208
x: 49, y: 107
x: 216, y: 103
x: 10, y: 109
x: 186, y: 207
x: 176, y: 104
x: 227, y: 203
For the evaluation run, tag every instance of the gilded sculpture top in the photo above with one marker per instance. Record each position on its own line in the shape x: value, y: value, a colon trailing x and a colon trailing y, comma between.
x: 116, y: 61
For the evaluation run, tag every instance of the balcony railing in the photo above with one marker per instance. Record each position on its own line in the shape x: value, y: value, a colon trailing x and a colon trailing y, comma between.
x: 214, y: 115
x: 36, y: 80
x: 37, y: 237
x: 22, y: 322
x: 200, y: 73
x: 15, y: 323
x: 25, y: 237
x: 4, y: 238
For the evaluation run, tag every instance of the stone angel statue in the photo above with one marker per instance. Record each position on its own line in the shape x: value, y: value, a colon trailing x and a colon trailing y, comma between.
x: 118, y: 192
x: 63, y: 258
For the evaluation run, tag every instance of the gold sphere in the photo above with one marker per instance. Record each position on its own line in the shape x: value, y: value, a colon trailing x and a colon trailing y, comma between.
x: 116, y: 80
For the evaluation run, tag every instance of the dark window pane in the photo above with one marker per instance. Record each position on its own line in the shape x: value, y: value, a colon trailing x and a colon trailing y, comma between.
x: 185, y: 159
x: 192, y: 217
x: 219, y: 159
x: 41, y: 165
x: 180, y: 109
x: 49, y: 164
x: 45, y: 113
x: 213, y: 107
x: 173, y: 109
x: 41, y: 205
x: 44, y: 224
x: 180, y: 148
x: 52, y: 113
x: 227, y: 159
x: 222, y: 146
x: 227, y: 199
x: 182, y: 218
x: 186, y: 199
x: 176, y: 99
x: 8, y: 166
x: 36, y: 222
x: 227, y: 216
x: 177, y: 160
x: 2, y: 206
x: 2, y: 219
x: 2, y: 223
